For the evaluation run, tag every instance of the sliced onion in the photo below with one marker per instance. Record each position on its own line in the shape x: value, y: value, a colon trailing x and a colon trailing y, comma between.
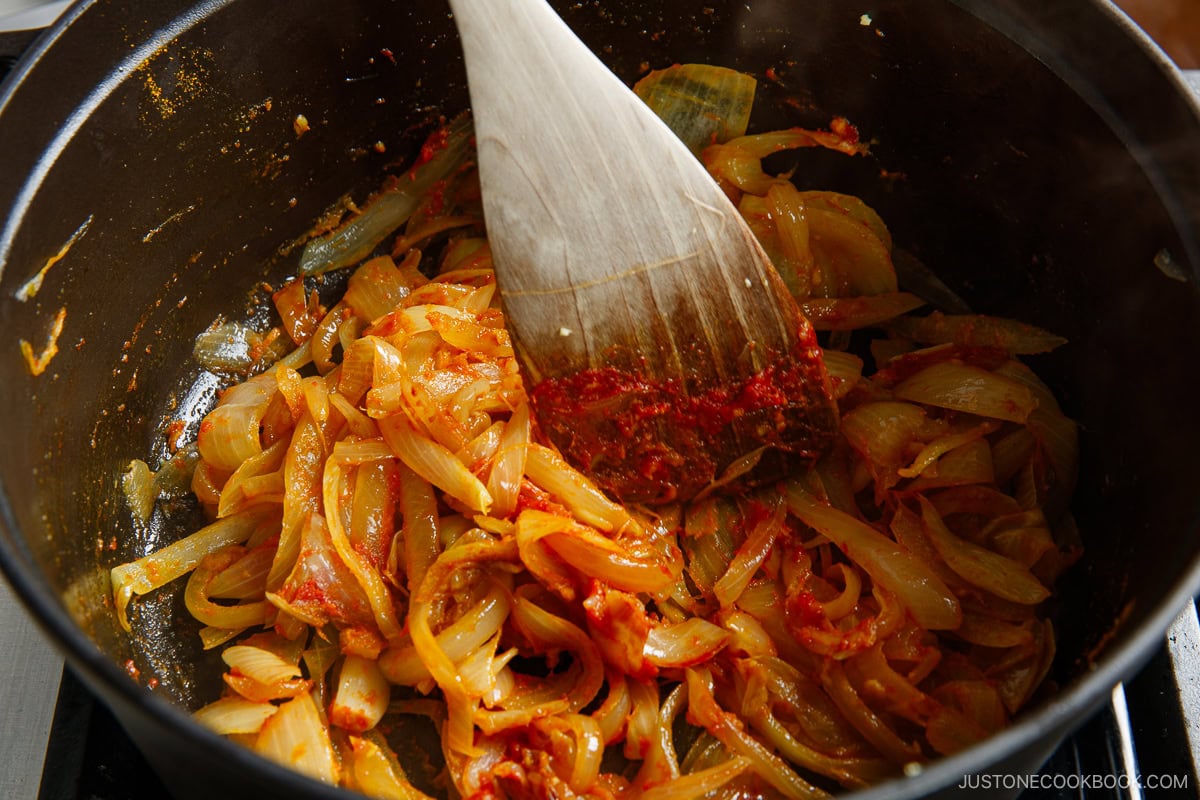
x: 961, y: 387
x: 365, y: 574
x: 935, y: 449
x: 387, y: 211
x: 376, y: 774
x: 549, y: 633
x: 749, y: 556
x: 989, y: 632
x: 851, y: 253
x: 508, y: 463
x: 259, y: 664
x: 298, y: 310
x: 591, y: 554
x: 841, y: 137
x: 642, y: 727
x: 137, y: 483
x: 296, y: 737
x: 749, y: 636
x: 434, y: 463
x: 684, y: 644
x: 979, y: 566
x: 885, y: 431
x: 230, y: 433
x: 977, y: 330
x: 1012, y: 452
x: 702, y: 104
x: 245, y: 578
x: 702, y: 783
x: 729, y: 730
x: 174, y: 476
x: 419, y: 235
x: 258, y: 480
x: 463, y: 330
x: 853, y: 313
x: 873, y: 728
x: 376, y: 288
x: 362, y: 695
x: 228, y: 617
x: 967, y: 464
x: 235, y: 348
x: 916, y: 585
x: 709, y: 543
x: 613, y: 713
x: 550, y: 472
x: 781, y: 227
x: 739, y: 161
x: 175, y: 560
x: 422, y: 540
x: 403, y: 665
x: 1057, y: 433
x: 325, y: 339
x: 234, y: 715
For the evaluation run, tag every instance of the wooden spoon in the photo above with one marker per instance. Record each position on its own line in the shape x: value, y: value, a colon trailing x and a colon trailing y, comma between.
x: 659, y: 346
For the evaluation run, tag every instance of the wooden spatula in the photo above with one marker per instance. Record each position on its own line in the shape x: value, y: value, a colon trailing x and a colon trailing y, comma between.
x: 658, y: 344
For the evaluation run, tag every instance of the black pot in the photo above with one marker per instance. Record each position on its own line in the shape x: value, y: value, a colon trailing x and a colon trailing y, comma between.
x: 1038, y: 154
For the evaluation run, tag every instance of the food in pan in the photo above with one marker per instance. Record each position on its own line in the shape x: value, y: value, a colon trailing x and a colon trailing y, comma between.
x: 391, y: 540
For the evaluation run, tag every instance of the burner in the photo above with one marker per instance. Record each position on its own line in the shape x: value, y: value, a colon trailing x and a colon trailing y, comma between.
x: 89, y: 756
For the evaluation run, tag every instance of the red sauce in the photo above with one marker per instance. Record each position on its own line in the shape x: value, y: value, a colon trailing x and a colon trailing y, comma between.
x: 436, y: 198
x: 845, y: 129
x: 310, y: 592
x: 754, y: 513
x: 619, y: 626
x: 653, y: 441
x: 175, y: 433
x: 532, y: 497
x: 805, y: 611
x: 433, y: 145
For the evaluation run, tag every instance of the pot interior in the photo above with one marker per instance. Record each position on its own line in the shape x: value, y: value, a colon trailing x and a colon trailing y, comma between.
x: 163, y: 134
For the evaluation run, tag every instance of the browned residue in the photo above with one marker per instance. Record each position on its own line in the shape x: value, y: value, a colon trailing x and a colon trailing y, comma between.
x: 184, y: 79
x: 32, y: 286
x: 37, y: 363
x: 274, y: 166
x: 246, y: 117
x: 176, y: 431
x: 178, y: 215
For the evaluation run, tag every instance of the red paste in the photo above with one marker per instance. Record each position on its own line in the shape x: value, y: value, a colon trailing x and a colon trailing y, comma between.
x: 654, y: 441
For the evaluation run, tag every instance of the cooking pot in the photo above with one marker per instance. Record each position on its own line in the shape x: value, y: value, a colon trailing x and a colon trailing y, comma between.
x: 1041, y: 156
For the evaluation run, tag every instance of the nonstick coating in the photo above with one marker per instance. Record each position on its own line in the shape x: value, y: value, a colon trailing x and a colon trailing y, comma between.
x: 1039, y: 161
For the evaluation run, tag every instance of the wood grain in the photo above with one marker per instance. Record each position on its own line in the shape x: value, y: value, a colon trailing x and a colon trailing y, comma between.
x: 614, y: 248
